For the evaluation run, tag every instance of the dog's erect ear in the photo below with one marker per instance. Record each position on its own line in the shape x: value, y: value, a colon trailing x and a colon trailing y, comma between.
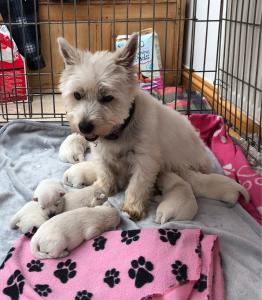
x: 35, y: 199
x: 69, y: 53
x: 127, y: 55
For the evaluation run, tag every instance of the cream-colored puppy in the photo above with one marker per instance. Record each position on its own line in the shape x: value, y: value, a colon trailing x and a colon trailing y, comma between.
x: 216, y: 186
x: 80, y: 175
x: 73, y: 148
x: 64, y: 232
x: 29, y: 216
x: 178, y: 200
x: 83, y: 200
x: 50, y: 196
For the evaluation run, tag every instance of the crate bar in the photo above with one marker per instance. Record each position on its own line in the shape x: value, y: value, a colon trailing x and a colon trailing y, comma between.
x: 51, y: 59
x: 191, y: 57
x: 249, y: 76
x: 218, y: 55
x: 205, y: 52
x: 165, y: 54
x: 256, y: 89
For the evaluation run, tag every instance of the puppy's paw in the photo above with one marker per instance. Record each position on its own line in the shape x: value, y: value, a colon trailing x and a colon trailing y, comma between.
x: 98, y: 199
x: 161, y: 217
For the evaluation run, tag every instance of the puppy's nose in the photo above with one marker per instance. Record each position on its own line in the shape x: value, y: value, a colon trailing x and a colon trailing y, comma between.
x: 86, y: 127
x: 51, y: 215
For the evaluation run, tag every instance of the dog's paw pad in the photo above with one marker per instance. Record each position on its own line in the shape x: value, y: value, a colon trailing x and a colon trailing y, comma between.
x: 35, y: 266
x: 141, y: 271
x: 112, y: 277
x: 43, y: 290
x: 99, y: 243
x: 83, y: 295
x: 169, y: 235
x: 65, y: 270
x: 130, y: 236
x: 180, y: 271
x: 15, y: 285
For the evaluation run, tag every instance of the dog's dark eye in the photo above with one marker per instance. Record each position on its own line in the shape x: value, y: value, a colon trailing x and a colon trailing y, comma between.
x: 77, y: 96
x: 106, y: 99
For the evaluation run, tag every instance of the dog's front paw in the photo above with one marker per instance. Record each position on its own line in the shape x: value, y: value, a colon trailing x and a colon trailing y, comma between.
x: 135, y: 210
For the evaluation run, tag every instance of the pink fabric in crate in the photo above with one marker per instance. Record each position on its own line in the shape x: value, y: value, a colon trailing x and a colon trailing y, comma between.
x: 136, y: 264
x: 213, y: 131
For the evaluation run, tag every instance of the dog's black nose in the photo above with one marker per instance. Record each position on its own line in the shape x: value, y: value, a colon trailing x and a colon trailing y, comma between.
x: 51, y: 215
x: 86, y: 127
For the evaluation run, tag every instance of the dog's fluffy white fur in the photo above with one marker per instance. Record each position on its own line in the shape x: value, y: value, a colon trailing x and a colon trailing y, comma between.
x: 64, y: 232
x: 80, y: 175
x: 156, y: 140
x: 29, y: 216
x: 50, y: 196
x: 73, y: 148
x: 178, y: 201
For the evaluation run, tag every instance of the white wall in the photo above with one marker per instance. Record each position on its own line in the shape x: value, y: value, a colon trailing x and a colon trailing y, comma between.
x: 200, y: 36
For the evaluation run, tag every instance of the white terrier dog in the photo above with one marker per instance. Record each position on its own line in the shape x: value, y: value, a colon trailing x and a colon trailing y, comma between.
x: 135, y: 136
x: 73, y: 148
x: 64, y: 232
x: 29, y: 216
x: 50, y: 196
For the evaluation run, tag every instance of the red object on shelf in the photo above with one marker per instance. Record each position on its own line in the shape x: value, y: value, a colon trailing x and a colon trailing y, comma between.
x: 12, y: 70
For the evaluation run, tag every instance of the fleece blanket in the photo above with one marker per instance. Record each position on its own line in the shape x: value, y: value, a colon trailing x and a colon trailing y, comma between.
x: 29, y: 153
x: 135, y: 264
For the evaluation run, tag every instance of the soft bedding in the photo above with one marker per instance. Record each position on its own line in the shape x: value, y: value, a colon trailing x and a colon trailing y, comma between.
x: 29, y: 153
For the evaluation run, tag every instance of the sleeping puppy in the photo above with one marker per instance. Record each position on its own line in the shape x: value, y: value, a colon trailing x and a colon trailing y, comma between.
x: 50, y: 196
x: 29, y: 216
x: 216, y: 186
x: 178, y: 200
x: 64, y: 232
x: 80, y: 175
x: 73, y: 148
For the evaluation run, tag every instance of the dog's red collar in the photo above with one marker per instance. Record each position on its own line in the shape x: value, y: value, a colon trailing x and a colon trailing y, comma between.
x: 117, y: 132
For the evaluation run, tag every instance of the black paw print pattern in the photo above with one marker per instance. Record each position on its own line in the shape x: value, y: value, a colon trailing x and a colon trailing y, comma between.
x: 15, y: 285
x: 180, y: 271
x: 29, y: 234
x: 42, y: 290
x: 201, y: 284
x: 8, y: 256
x: 141, y: 271
x: 65, y: 270
x: 83, y: 295
x: 198, y: 250
x: 35, y: 266
x: 99, y: 243
x: 112, y: 277
x: 169, y: 235
x: 130, y: 236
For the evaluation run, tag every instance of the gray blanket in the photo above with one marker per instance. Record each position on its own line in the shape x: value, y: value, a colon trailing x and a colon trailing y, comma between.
x: 29, y: 153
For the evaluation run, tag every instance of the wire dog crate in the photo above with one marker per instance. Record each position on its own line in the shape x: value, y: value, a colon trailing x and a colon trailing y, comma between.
x: 210, y: 57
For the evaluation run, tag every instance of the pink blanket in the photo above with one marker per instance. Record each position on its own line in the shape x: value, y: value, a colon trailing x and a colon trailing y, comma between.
x: 137, y: 264
x: 213, y: 131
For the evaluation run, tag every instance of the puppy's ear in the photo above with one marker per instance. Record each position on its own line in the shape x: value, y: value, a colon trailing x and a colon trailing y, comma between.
x: 127, y: 55
x: 61, y: 194
x: 69, y: 53
x: 35, y: 199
